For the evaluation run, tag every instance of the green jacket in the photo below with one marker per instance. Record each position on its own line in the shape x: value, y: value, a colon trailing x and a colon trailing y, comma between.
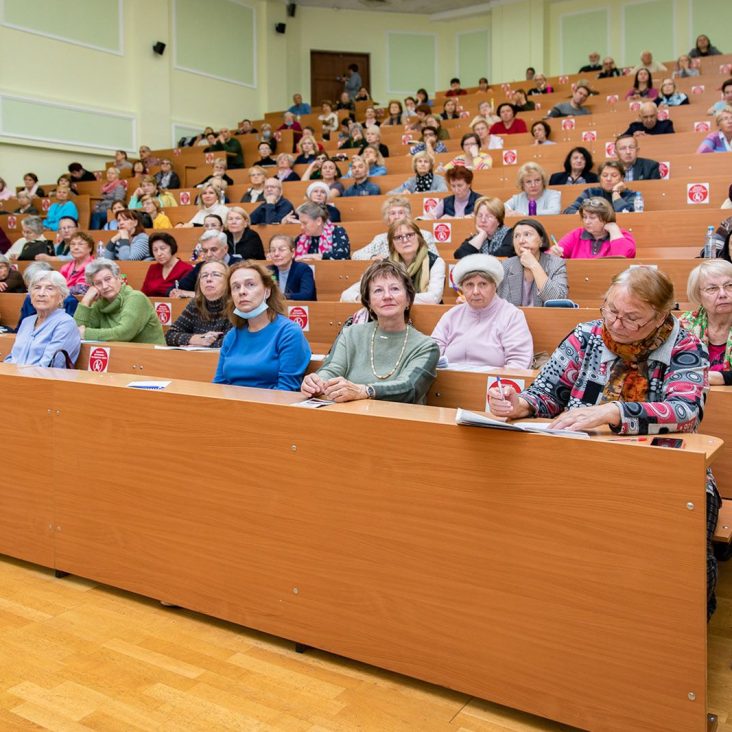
x: 129, y: 317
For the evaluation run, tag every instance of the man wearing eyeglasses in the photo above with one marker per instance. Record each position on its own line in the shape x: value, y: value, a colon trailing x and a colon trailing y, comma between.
x: 626, y: 148
x: 214, y: 248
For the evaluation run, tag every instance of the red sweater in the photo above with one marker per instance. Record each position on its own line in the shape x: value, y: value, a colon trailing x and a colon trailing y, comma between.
x: 516, y: 128
x: 157, y: 286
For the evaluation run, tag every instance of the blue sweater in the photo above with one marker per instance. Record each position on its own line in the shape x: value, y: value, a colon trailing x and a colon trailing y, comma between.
x: 272, y: 358
x: 57, y: 211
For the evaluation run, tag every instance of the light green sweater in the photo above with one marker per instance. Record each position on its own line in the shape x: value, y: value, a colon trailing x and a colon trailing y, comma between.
x: 351, y: 358
x: 130, y: 317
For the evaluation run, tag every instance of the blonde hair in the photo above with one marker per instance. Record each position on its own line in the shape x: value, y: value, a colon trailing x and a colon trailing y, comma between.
x: 494, y: 205
x: 394, y: 201
x: 423, y: 154
x: 527, y: 168
x: 649, y: 285
x: 708, y: 268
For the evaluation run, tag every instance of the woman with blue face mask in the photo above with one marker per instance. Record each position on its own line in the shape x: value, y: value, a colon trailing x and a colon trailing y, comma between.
x: 264, y: 349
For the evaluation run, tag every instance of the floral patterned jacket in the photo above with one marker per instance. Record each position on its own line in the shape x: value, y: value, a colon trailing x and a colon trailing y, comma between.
x: 578, y: 370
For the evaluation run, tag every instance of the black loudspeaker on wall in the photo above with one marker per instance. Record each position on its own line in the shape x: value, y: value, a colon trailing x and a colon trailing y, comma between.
x: 291, y: 8
x: 280, y: 27
x: 159, y: 48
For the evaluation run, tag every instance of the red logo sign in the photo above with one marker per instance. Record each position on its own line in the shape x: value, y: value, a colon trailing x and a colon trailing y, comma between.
x: 510, y: 157
x: 663, y: 114
x: 176, y: 151
x: 184, y: 197
x: 609, y: 149
x: 99, y: 360
x: 516, y: 384
x: 505, y: 87
x: 428, y: 204
x: 634, y: 106
x: 442, y: 232
x: 697, y: 89
x: 612, y: 98
x: 702, y: 126
x: 209, y: 158
x: 300, y: 314
x: 725, y: 69
x: 568, y: 123
x: 563, y: 79
x: 164, y: 312
x: 45, y: 203
x: 665, y: 169
x: 589, y: 135
x: 697, y: 193
x: 464, y: 114
x: 12, y: 222
x: 406, y: 138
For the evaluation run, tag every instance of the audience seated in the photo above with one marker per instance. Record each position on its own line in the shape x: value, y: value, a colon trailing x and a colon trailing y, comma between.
x: 510, y: 124
x: 317, y: 192
x: 575, y: 106
x: 320, y: 238
x: 485, y: 329
x: 255, y: 192
x: 32, y: 228
x: 725, y: 101
x: 166, y: 178
x: 151, y: 207
x: 295, y: 279
x: 472, y: 157
x: 228, y: 144
x: 81, y: 250
x: 25, y: 204
x: 385, y: 358
x: 274, y: 208
x: 534, y: 275
x: 112, y: 311
x: 424, y: 180
x: 577, y: 169
x: 670, y: 96
x: 612, y: 188
x: 609, y: 69
x: 541, y: 86
x: 131, y: 241
x: 62, y: 207
x: 492, y: 236
x: 298, y: 106
x: 243, y: 241
x: 429, y: 143
x: 684, y: 68
x: 372, y: 136
x: 534, y: 199
x: 462, y: 200
x: 647, y: 62
x: 285, y: 173
x: 113, y: 190
x: 720, y: 141
x: 627, y: 148
x: 10, y: 279
x: 163, y: 275
x: 703, y: 48
x: 541, y: 131
x: 642, y: 86
x: 214, y: 247
x: 218, y: 170
x: 362, y: 186
x: 649, y: 124
x: 326, y: 170
x: 263, y: 349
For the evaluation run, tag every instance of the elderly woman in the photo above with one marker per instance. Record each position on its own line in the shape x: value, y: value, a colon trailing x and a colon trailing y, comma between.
x: 285, y: 173
x: 32, y: 228
x: 289, y: 122
x: 63, y: 207
x: 684, y: 69
x: 320, y: 238
x: 425, y: 268
x: 653, y: 378
x: 463, y: 199
x: 492, y: 236
x: 541, y: 132
x: 166, y: 178
x: 204, y: 321
x: 264, y: 348
x: 670, y: 96
x: 372, y: 136
x: 599, y: 235
x: 243, y: 240
x: 31, y: 187
x: 328, y: 119
x: 577, y: 169
x: 151, y: 207
x: 25, y: 204
x: 541, y: 86
x: 485, y: 329
x: 535, y: 199
x: 510, y: 124
x: 10, y: 279
x: 482, y: 128
x: 393, y: 209
x: 81, y: 248
x: 710, y: 290
x: 218, y: 170
x: 317, y: 192
x: 612, y: 189
x: 209, y: 202
x: 295, y: 279
x: 112, y: 311
x: 274, y: 208
x: 50, y: 337
x: 163, y: 275
x: 424, y: 179
x: 131, y: 241
x: 533, y: 276
x: 113, y: 190
x: 472, y: 157
x: 149, y: 187
x: 719, y: 141
x: 382, y: 359
x: 255, y: 192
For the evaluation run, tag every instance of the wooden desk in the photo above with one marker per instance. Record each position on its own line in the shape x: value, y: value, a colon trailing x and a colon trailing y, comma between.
x: 421, y: 567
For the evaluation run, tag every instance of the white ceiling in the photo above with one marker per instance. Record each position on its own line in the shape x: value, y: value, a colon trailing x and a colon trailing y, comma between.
x: 420, y: 7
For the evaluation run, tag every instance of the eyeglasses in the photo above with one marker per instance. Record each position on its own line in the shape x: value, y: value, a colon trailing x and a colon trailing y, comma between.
x: 213, y: 276
x: 593, y: 203
x: 405, y: 237
x: 714, y: 290
x: 625, y: 322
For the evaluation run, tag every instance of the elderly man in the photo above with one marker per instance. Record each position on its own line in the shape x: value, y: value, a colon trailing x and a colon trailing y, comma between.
x: 214, y: 248
x: 609, y: 69
x: 575, y: 106
x: 626, y: 148
x: 594, y: 64
x: 649, y: 123
x: 231, y: 146
x: 274, y: 208
x: 147, y: 157
x: 299, y: 107
x: 647, y: 62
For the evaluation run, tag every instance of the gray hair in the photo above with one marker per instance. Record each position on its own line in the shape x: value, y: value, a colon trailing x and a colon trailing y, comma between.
x: 213, y: 234
x: 727, y: 109
x: 313, y: 210
x: 4, y: 260
x: 708, y: 268
x: 31, y: 269
x: 55, y: 278
x: 96, y: 266
x: 34, y: 223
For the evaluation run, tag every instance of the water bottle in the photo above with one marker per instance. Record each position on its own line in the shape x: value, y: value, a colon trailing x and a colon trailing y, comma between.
x: 710, y: 244
x: 638, y: 203
x: 100, y: 249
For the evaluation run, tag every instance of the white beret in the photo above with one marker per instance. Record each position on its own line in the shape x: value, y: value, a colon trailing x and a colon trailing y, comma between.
x: 486, y: 264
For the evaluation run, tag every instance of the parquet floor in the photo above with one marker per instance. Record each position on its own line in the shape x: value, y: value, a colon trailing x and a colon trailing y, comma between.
x: 77, y: 656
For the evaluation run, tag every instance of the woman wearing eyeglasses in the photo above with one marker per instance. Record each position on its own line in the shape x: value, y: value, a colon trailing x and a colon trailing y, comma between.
x: 204, y: 321
x: 599, y: 235
x: 635, y: 370
x: 710, y: 290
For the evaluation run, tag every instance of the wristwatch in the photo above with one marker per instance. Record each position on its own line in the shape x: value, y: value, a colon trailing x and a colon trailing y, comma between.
x: 370, y: 392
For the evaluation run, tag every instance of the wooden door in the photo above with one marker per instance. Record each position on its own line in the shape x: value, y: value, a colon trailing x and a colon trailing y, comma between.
x: 326, y: 66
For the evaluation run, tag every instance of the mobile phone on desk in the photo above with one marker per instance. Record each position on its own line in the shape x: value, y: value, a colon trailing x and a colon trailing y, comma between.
x: 667, y: 442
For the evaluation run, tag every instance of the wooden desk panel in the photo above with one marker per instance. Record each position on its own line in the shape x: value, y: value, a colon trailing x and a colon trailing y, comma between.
x: 419, y: 567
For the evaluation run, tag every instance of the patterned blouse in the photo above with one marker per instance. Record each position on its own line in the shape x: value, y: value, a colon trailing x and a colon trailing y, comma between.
x: 578, y: 371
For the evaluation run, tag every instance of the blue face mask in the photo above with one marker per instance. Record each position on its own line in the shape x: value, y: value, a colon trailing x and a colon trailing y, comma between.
x: 261, y: 308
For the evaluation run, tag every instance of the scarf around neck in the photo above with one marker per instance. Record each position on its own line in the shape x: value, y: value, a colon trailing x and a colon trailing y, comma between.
x: 418, y: 270
x: 424, y: 182
x: 325, y: 243
x: 697, y: 322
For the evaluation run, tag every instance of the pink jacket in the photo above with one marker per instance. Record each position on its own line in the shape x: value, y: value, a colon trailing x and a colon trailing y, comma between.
x: 575, y: 246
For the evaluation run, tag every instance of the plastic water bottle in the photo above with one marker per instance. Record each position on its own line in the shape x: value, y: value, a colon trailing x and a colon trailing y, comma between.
x: 100, y: 249
x: 710, y: 244
x: 638, y: 203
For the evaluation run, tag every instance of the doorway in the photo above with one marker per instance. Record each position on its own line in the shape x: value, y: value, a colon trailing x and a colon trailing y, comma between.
x: 326, y: 66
